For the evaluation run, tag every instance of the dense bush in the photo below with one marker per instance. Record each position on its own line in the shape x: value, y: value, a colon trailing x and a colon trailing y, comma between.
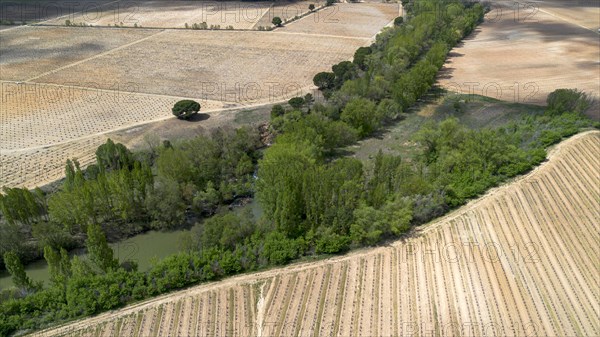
x: 567, y: 100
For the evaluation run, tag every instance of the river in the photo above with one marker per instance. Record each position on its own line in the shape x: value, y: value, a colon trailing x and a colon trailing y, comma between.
x: 142, y: 248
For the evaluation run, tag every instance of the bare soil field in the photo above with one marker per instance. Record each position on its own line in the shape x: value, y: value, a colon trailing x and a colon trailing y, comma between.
x: 30, y: 51
x: 346, y: 19
x: 172, y: 14
x: 523, y: 53
x: 506, y: 264
x: 40, y: 166
x: 230, y: 66
x: 42, y: 115
x: 581, y: 12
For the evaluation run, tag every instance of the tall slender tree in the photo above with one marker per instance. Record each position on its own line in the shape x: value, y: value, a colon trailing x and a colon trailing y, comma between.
x: 17, y: 271
x: 98, y: 249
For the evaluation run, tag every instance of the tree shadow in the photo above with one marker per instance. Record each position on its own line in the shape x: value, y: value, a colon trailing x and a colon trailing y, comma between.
x: 445, y: 73
x: 199, y: 117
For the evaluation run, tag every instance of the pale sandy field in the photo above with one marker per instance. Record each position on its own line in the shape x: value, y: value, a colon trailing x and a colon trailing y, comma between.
x: 230, y: 66
x: 522, y: 260
x: 30, y: 51
x: 521, y: 55
x: 347, y: 19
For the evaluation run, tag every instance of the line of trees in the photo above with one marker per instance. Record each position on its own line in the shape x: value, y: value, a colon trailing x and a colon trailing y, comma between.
x: 314, y: 200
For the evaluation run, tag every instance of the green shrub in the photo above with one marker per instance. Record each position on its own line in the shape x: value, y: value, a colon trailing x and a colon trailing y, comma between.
x: 567, y: 100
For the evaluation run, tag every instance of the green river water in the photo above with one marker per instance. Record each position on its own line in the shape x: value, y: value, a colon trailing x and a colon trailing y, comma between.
x: 142, y: 249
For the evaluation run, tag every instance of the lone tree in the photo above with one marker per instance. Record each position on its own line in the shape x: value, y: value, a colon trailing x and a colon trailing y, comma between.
x: 311, y: 7
x: 277, y: 21
x: 185, y: 109
x: 398, y: 21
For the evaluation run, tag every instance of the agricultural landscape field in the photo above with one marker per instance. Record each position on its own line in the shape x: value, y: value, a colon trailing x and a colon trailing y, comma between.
x: 523, y: 51
x: 65, y: 88
x: 503, y: 265
x: 300, y: 168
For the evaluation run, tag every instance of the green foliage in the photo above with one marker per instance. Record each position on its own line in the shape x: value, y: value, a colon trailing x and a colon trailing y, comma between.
x: 17, y: 271
x: 277, y: 21
x: 398, y: 21
x: 360, y: 57
x: 277, y: 111
x: 223, y: 231
x: 165, y: 204
x: 112, y: 196
x: 59, y: 265
x: 371, y: 225
x: 185, y: 109
x: 111, y: 156
x: 343, y: 72
x: 324, y: 81
x: 98, y: 250
x: 20, y: 205
x: 311, y: 7
x: 278, y: 249
x: 278, y: 187
x: 313, y: 201
x: 361, y: 114
x: 567, y: 100
x: 296, y: 102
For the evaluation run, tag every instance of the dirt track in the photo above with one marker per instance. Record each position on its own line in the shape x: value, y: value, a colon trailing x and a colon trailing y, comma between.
x: 506, y: 264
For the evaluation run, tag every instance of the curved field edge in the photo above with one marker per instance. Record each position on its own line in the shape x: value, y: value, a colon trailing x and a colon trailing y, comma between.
x: 548, y: 289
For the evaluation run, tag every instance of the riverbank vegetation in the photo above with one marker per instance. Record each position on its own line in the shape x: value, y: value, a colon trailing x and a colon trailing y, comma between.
x: 315, y: 200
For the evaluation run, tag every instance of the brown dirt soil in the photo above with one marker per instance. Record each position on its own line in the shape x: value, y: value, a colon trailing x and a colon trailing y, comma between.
x: 30, y: 51
x: 521, y: 260
x: 529, y: 52
x: 237, y: 67
x: 346, y: 19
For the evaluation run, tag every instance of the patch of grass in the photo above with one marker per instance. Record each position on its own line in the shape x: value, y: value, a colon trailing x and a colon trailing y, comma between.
x: 250, y: 116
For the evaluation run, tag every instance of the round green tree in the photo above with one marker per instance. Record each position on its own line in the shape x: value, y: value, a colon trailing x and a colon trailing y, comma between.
x: 185, y: 109
x: 311, y: 7
x: 277, y: 21
x: 324, y: 80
